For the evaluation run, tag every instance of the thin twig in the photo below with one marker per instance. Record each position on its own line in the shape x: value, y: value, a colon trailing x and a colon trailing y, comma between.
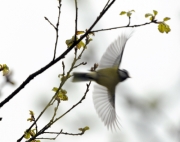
x: 32, y: 76
x: 129, y: 21
x: 57, y: 30
x: 76, y: 17
x: 83, y: 63
x: 50, y: 22
x: 58, y: 133
x: 66, y: 133
x: 79, y: 57
x: 63, y: 68
x: 155, y: 22
x: 35, y: 124
x: 106, y: 4
x: 55, y: 111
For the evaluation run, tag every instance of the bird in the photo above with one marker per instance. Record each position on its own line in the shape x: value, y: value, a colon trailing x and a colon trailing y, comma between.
x: 107, y: 76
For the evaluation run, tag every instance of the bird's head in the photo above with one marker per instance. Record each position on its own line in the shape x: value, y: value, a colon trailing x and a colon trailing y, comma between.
x: 124, y: 74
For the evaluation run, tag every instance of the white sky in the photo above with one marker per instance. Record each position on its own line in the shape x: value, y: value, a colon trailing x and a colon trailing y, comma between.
x: 152, y: 59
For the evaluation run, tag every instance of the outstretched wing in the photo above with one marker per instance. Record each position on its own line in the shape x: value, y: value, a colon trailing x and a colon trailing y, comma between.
x: 104, y: 102
x: 113, y: 54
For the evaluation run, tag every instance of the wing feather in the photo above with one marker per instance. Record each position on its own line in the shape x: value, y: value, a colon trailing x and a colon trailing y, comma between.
x: 113, y: 54
x: 104, y: 107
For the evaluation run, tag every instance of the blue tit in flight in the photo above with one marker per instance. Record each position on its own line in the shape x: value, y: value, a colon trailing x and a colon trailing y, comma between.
x: 107, y: 77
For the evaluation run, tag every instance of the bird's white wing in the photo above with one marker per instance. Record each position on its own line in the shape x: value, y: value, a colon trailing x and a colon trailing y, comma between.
x: 103, y: 101
x: 113, y: 54
x: 104, y: 104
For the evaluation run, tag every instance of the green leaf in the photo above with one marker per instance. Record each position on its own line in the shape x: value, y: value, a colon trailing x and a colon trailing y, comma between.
x: 129, y: 14
x: 33, y: 132
x: 132, y: 11
x: 30, y: 119
x: 148, y: 14
x: 161, y: 28
x: 69, y: 42
x: 89, y: 40
x: 61, y: 94
x: 155, y: 12
x: 151, y: 18
x: 123, y: 12
x: 5, y: 69
x: 55, y: 89
x: 27, y: 135
x: 166, y: 19
x: 64, y: 92
x: 167, y: 28
x: 80, y: 44
x: 31, y: 112
x: 79, y: 32
x: 86, y: 128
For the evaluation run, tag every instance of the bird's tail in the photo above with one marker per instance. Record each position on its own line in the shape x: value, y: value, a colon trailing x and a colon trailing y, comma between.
x: 77, y: 77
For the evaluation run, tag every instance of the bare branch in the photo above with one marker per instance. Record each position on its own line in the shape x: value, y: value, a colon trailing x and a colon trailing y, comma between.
x: 58, y: 133
x: 155, y: 22
x: 83, y: 63
x: 55, y: 110
x: 65, y: 133
x: 50, y: 22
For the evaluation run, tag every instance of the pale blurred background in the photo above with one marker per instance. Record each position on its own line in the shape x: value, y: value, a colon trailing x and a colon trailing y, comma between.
x: 147, y: 104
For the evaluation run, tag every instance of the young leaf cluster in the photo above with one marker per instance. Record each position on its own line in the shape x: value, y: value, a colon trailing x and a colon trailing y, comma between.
x: 69, y: 42
x: 61, y: 95
x: 128, y: 13
x: 29, y: 134
x: 151, y: 16
x: 84, y: 129
x: 32, y: 132
x: 32, y: 116
x: 162, y: 26
x: 5, y: 69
